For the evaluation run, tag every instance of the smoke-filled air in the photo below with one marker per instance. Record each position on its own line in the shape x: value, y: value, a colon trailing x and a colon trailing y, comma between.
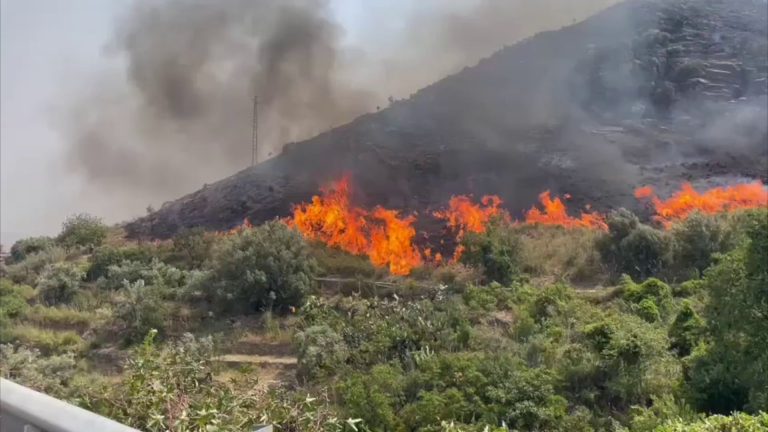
x: 179, y: 112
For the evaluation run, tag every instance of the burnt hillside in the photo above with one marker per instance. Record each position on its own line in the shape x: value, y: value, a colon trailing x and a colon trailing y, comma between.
x: 646, y: 92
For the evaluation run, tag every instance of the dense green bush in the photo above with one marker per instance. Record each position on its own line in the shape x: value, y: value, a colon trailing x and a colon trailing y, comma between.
x: 686, y: 330
x: 13, y: 300
x: 321, y: 352
x: 192, y: 247
x: 729, y: 373
x: 140, y: 310
x: 167, y: 280
x: 104, y: 257
x: 59, y: 283
x: 695, y: 242
x: 28, y: 271
x: 623, y: 361
x: 375, y: 397
x: 51, y: 375
x: 262, y: 267
x: 82, y: 230
x: 738, y: 422
x: 632, y: 248
x: 29, y: 246
x: 651, y: 300
x: 497, y: 251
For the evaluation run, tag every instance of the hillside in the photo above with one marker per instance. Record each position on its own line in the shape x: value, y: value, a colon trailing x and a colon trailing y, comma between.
x: 646, y: 92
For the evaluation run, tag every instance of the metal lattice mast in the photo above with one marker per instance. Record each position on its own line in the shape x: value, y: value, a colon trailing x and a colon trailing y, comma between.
x: 255, y: 132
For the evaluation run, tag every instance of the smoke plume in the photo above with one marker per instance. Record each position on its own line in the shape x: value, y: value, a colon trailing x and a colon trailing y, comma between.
x: 179, y: 114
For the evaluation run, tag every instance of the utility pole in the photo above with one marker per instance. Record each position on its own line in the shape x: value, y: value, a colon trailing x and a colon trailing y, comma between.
x: 255, y: 131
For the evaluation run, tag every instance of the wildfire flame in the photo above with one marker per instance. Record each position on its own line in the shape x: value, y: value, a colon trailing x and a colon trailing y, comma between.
x: 382, y: 234
x: 463, y: 215
x: 554, y: 212
x: 716, y: 200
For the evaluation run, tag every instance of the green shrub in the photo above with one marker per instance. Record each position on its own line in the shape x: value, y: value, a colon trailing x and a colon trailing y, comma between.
x: 13, y: 300
x: 497, y: 252
x: 263, y: 267
x: 139, y: 311
x: 82, y: 230
x: 550, y: 301
x: 165, y: 278
x: 650, y: 299
x: 59, y: 283
x: 686, y: 330
x: 688, y: 288
x: 729, y: 374
x: 51, y: 375
x: 192, y: 247
x: 648, y: 310
x: 623, y: 362
x: 321, y: 352
x: 632, y: 248
x: 737, y: 422
x: 375, y: 397
x: 28, y: 271
x: 695, y: 241
x: 107, y: 256
x: 29, y: 246
x: 480, y: 388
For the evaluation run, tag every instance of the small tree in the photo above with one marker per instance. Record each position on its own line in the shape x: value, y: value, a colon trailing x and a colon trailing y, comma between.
x: 497, y: 251
x: 193, y: 247
x: 29, y: 246
x: 59, y: 283
x: 262, y: 267
x: 696, y: 240
x: 632, y: 248
x: 140, y: 311
x: 83, y: 230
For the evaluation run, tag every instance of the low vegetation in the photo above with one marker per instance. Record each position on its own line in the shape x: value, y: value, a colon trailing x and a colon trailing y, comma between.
x: 639, y: 329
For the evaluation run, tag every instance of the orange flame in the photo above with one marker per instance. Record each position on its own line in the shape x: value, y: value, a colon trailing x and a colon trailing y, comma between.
x: 555, y: 213
x: 332, y: 220
x: 392, y: 243
x: 716, y: 200
x: 382, y: 235
x: 462, y: 216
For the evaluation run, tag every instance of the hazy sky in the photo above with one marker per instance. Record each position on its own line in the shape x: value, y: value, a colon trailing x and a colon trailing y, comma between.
x: 50, y: 49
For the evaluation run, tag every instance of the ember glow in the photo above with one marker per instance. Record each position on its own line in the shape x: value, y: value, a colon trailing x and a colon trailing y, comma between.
x: 716, y: 200
x: 463, y: 216
x: 554, y: 212
x: 381, y: 235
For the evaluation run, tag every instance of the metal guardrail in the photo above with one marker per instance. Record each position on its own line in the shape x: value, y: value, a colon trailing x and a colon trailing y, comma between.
x: 25, y: 410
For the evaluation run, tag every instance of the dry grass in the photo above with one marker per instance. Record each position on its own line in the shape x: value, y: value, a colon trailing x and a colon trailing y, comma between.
x: 65, y: 317
x: 47, y: 341
x: 560, y: 254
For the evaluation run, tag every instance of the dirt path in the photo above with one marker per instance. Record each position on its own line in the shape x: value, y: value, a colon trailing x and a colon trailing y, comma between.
x: 272, y: 359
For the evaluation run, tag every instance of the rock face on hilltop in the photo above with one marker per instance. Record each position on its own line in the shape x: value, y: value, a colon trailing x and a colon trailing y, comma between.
x: 646, y: 92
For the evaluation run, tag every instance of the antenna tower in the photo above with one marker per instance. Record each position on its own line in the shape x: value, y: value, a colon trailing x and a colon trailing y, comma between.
x: 255, y: 132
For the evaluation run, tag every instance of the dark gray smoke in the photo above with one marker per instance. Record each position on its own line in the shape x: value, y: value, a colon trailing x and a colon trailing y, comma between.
x: 180, y: 114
